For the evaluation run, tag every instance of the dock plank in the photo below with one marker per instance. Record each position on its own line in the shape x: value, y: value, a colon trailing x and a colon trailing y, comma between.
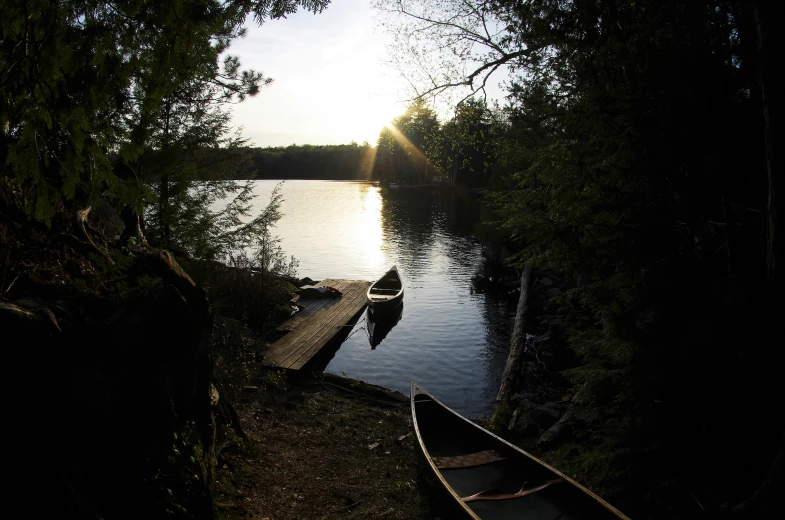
x: 326, y: 312
x: 320, y: 320
x: 306, y: 348
x: 318, y: 325
x: 307, y: 339
x: 311, y: 306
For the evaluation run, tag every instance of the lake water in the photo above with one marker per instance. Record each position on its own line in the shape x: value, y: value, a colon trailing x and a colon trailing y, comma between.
x: 451, y: 338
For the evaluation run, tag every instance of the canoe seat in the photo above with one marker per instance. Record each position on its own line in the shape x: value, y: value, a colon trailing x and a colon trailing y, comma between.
x: 495, y: 494
x: 385, y: 291
x: 467, y: 461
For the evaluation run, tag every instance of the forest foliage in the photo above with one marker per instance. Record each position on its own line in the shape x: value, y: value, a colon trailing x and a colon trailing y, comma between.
x: 418, y: 148
x: 326, y: 162
x: 635, y: 151
x: 129, y: 102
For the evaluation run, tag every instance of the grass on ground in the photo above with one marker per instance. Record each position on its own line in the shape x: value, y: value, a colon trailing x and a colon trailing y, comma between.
x: 315, y: 448
x: 316, y: 451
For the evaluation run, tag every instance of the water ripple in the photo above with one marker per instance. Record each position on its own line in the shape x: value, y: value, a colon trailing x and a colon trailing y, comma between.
x: 450, y: 338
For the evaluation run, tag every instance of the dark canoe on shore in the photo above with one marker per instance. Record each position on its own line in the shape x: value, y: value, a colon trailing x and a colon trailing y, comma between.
x: 489, y: 478
x: 385, y: 295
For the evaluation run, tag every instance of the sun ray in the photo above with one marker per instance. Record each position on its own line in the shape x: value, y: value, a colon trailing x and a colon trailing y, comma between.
x: 412, y: 151
x: 367, y: 162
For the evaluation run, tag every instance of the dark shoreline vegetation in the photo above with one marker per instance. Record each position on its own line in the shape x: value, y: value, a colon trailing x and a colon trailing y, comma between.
x: 635, y: 168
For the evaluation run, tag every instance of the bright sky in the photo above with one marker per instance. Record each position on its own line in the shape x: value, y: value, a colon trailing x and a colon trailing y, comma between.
x: 331, y: 81
x: 330, y: 84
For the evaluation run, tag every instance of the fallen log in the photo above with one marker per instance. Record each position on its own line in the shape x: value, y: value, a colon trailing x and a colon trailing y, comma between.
x: 511, y: 378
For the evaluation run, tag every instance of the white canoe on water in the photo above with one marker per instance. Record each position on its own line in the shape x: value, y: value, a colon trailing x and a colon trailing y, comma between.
x: 385, y: 294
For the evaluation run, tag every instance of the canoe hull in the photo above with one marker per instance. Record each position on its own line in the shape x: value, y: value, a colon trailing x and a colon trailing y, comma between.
x: 386, y: 310
x: 489, y: 478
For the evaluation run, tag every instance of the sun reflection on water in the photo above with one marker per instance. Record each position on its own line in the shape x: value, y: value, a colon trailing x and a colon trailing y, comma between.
x: 450, y: 338
x: 368, y: 236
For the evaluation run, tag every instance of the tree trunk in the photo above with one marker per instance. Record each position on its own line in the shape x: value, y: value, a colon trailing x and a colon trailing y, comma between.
x: 767, y: 501
x: 511, y: 378
x: 163, y: 200
x: 133, y: 227
x: 769, y: 47
x: 163, y: 209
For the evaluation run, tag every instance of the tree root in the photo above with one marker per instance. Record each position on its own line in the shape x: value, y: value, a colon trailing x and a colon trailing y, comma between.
x: 81, y: 218
x: 229, y: 414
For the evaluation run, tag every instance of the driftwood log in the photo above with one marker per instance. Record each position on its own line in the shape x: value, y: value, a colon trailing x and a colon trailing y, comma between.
x: 511, y: 378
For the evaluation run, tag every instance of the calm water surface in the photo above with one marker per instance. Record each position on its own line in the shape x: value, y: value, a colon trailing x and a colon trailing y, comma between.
x: 451, y: 338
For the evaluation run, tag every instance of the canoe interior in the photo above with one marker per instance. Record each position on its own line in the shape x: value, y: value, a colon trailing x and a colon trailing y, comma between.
x: 387, y: 289
x: 388, y: 284
x: 445, y: 434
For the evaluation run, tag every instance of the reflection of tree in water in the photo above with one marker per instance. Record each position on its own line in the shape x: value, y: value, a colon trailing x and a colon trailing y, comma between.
x: 498, y: 316
x: 423, y: 228
x: 411, y: 224
x: 461, y: 210
x: 463, y: 251
x: 415, y: 221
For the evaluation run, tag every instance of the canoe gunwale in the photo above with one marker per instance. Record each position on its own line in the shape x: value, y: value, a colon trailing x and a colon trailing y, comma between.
x: 416, y: 390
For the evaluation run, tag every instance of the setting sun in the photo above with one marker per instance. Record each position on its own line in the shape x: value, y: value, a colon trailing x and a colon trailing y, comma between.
x: 372, y: 118
x: 336, y: 91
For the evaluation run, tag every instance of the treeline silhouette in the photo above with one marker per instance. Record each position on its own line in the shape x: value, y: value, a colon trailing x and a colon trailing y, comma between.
x: 327, y: 162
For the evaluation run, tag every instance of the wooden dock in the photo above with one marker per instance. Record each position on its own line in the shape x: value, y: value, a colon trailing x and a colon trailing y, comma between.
x: 321, y: 319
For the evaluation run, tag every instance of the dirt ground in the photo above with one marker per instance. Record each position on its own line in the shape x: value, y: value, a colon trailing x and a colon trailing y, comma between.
x: 320, y: 449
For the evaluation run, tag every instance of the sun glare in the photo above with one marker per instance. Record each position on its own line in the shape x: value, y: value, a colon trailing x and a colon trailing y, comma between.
x: 374, y: 117
x: 368, y: 234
